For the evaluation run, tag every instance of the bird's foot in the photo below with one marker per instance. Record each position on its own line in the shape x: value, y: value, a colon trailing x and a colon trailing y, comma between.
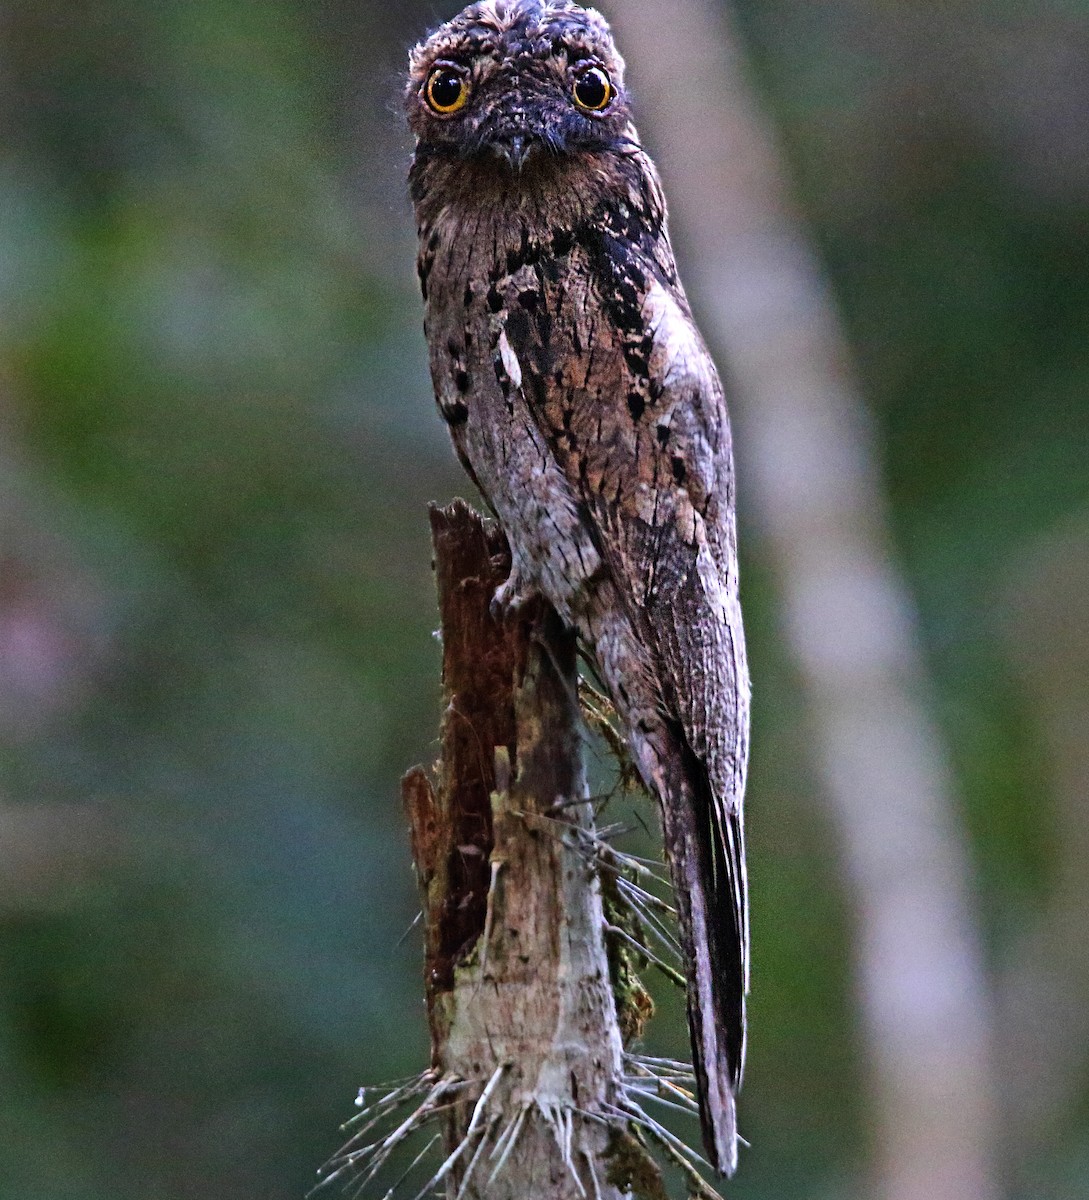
x: 511, y: 595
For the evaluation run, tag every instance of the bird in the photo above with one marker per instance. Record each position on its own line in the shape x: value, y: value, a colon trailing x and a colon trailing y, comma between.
x: 583, y: 402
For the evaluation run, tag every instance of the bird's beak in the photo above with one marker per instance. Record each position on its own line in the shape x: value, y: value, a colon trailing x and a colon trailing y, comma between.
x: 516, y: 149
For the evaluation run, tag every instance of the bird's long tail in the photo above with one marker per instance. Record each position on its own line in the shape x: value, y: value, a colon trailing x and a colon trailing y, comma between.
x: 704, y: 845
x: 704, y: 842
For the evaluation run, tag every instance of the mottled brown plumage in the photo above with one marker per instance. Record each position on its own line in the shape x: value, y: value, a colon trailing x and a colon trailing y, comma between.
x: 583, y: 402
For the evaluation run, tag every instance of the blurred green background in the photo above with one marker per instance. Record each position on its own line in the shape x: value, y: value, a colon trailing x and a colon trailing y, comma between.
x: 217, y: 441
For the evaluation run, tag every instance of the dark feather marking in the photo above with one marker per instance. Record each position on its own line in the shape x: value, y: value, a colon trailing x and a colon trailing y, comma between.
x: 454, y: 414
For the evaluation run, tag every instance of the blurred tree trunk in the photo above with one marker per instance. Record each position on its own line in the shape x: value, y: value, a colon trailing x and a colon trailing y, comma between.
x: 520, y: 1002
x: 808, y: 464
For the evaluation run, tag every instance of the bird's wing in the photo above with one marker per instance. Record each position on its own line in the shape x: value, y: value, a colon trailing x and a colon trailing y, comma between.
x: 625, y: 393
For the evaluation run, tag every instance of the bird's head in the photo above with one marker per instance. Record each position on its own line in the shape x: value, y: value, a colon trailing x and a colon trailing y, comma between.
x: 518, y: 86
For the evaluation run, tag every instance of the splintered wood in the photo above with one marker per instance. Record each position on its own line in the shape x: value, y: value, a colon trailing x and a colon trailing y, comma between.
x: 522, y: 1014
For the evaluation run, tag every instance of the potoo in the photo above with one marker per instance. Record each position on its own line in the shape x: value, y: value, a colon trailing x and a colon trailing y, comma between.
x: 584, y: 404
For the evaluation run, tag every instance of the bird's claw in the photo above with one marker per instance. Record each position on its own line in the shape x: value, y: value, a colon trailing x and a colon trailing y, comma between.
x: 509, y: 597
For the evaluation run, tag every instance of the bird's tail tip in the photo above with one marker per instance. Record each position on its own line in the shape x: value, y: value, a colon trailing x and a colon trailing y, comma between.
x: 718, y: 1117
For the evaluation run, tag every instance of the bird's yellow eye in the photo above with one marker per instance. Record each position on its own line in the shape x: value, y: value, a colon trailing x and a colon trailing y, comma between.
x: 593, y: 91
x: 447, y: 90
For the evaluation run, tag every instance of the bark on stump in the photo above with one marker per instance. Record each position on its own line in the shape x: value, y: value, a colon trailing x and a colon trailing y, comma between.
x: 517, y: 975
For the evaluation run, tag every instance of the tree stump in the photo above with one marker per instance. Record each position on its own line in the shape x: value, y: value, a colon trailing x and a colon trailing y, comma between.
x: 534, y: 927
x: 519, y: 999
